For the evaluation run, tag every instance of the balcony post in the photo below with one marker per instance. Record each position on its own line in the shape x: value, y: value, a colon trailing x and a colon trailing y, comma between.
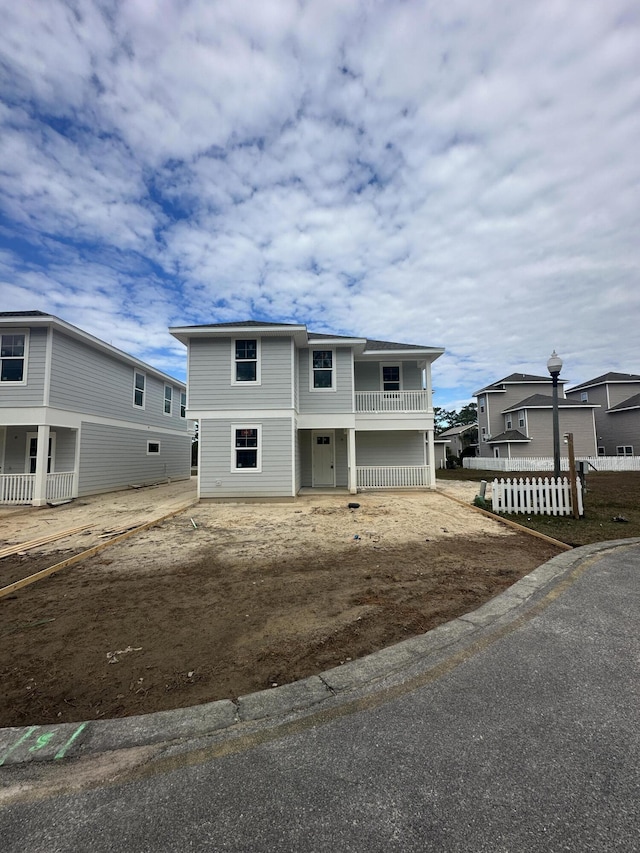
x: 42, y: 456
x: 352, y: 474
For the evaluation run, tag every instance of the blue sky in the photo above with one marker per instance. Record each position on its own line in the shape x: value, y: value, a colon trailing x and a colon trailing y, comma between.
x: 455, y: 174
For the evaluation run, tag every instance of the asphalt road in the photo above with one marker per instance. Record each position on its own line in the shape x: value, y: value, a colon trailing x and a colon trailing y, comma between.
x: 530, y: 742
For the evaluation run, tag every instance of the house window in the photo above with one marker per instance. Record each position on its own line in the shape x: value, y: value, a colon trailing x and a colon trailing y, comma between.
x: 153, y: 447
x: 322, y: 362
x: 12, y: 357
x: 601, y: 451
x: 139, y: 382
x: 584, y: 396
x: 246, y: 361
x: 508, y: 423
x: 624, y: 450
x: 521, y: 420
x: 168, y: 397
x: 481, y: 403
x: 390, y: 377
x: 246, y: 450
x: 183, y: 404
x: 32, y: 452
x: 484, y: 434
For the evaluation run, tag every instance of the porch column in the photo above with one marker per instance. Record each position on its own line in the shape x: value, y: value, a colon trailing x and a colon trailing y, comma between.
x: 431, y: 458
x: 42, y: 455
x: 352, y: 480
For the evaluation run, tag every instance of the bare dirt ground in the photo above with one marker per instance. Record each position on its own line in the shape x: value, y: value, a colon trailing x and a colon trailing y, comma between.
x: 228, y: 598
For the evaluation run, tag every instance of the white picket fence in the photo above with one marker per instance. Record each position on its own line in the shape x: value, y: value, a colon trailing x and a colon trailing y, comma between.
x: 542, y: 463
x: 535, y: 496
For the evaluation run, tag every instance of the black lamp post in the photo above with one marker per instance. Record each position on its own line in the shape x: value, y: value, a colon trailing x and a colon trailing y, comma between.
x: 554, y: 366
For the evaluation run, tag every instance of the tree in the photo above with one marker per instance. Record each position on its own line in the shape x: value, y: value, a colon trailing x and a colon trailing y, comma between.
x: 467, y: 416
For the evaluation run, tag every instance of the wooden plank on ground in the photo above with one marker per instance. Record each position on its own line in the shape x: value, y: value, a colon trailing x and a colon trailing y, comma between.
x: 44, y: 540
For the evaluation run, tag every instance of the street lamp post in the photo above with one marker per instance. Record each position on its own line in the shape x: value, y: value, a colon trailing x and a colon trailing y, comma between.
x: 554, y: 366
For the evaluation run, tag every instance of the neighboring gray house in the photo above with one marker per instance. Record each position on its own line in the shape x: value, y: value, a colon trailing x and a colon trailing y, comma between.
x: 78, y: 416
x: 618, y: 415
x: 281, y: 409
x: 459, y: 438
x: 515, y: 418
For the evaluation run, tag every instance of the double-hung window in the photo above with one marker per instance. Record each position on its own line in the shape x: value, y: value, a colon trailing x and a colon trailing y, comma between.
x: 246, y: 449
x: 168, y: 399
x: 12, y: 357
x: 139, y: 383
x: 322, y: 369
x: 183, y: 404
x: 624, y: 450
x: 390, y: 377
x: 246, y: 360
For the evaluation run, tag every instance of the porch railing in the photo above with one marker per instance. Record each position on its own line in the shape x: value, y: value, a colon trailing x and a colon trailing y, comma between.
x: 18, y: 488
x: 392, y: 476
x: 375, y: 402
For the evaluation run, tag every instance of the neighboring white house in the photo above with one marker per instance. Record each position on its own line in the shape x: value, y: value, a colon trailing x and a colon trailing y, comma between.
x: 281, y: 409
x: 78, y: 416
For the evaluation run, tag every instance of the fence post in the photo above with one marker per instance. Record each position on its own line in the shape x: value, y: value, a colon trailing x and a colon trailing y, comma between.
x: 572, y: 476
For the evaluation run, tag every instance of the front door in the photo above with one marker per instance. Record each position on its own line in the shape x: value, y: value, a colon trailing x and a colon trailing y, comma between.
x: 323, y: 458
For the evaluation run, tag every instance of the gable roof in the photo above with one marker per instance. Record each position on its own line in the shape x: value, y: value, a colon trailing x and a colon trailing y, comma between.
x: 630, y: 403
x: 542, y: 401
x: 515, y: 379
x: 607, y: 378
x: 508, y: 435
x: 456, y: 430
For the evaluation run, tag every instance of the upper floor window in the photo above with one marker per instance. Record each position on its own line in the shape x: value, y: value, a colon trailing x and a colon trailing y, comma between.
x: 183, y: 404
x: 246, y: 450
x: 508, y: 422
x: 624, y: 450
x: 390, y: 377
x: 481, y: 403
x: 322, y: 369
x: 246, y: 360
x: 521, y: 421
x: 584, y: 396
x: 12, y: 357
x: 168, y: 399
x: 139, y: 383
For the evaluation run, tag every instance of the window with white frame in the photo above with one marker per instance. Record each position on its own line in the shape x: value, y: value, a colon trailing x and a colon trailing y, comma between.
x: 508, y: 422
x: 183, y: 404
x: 601, y: 451
x: 584, y: 396
x: 246, y: 361
x: 624, y: 450
x: 246, y: 447
x: 153, y: 447
x: 139, y: 387
x: 521, y: 420
x: 13, y: 349
x: 322, y: 369
x: 391, y: 377
x: 483, y: 436
x: 481, y: 403
x: 168, y: 399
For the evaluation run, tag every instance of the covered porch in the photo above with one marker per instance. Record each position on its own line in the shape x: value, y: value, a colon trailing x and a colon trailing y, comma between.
x: 38, y: 464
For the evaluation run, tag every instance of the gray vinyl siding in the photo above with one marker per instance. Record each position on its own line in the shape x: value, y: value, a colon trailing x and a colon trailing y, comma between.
x: 116, y: 457
x: 621, y: 391
x: 340, y: 400
x: 390, y: 448
x: 65, y: 458
x: 16, y: 449
x: 342, y: 471
x: 624, y: 430
x: 368, y: 374
x: 306, y: 463
x: 216, y: 478
x: 540, y: 430
x: 210, y: 376
x: 86, y: 380
x: 32, y: 392
x: 497, y: 402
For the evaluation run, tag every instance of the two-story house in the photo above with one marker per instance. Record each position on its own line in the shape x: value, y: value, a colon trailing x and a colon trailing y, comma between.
x: 618, y: 415
x: 515, y: 418
x: 282, y: 409
x: 79, y: 417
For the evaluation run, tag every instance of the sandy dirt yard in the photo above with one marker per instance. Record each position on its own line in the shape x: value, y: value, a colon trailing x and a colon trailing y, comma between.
x: 224, y: 599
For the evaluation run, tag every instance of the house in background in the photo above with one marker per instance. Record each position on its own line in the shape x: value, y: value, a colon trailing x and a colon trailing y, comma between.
x: 515, y: 418
x: 618, y: 415
x: 282, y: 409
x: 460, y: 439
x: 78, y: 416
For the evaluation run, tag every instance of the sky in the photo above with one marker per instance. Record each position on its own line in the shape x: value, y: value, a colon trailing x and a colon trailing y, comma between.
x: 447, y: 173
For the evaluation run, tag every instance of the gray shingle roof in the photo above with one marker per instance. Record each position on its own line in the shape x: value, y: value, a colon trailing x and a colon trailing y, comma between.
x: 612, y: 376
x: 542, y: 401
x: 509, y: 435
x: 630, y: 403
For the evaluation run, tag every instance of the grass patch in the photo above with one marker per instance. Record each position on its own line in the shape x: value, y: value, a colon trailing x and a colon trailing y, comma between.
x: 609, y: 495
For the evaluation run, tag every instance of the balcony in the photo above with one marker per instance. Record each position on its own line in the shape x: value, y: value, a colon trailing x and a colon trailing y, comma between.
x: 390, y: 402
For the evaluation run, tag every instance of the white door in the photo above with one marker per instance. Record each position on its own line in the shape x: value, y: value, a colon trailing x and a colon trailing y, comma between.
x: 322, y: 458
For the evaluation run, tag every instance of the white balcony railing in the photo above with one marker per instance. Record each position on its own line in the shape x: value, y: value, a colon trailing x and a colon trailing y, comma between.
x: 18, y: 488
x: 392, y: 476
x: 375, y: 402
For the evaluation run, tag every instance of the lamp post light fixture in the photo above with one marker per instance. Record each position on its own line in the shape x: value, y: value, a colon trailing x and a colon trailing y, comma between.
x: 554, y: 366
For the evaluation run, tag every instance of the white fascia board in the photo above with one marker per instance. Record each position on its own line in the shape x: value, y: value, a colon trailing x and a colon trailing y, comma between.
x: 428, y: 354
x: 184, y: 333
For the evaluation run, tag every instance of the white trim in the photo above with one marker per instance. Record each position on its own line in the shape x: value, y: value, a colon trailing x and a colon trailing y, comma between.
x: 234, y: 362
x: 314, y: 434
x: 166, y: 413
x: 153, y: 452
x: 28, y: 457
x: 334, y: 368
x: 234, y: 448
x: 18, y: 330
x: 397, y: 364
x: 46, y: 394
x: 236, y: 414
x: 73, y: 420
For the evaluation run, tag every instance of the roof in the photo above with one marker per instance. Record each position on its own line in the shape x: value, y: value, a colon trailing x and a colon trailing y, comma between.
x: 41, y: 319
x: 542, y: 401
x: 508, y: 435
x: 631, y: 403
x: 515, y: 379
x: 456, y: 430
x: 608, y: 378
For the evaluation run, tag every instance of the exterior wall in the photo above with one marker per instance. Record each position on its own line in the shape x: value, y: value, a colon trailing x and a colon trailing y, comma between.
x: 340, y: 400
x: 625, y: 431
x: 15, y: 451
x: 210, y: 376
x: 32, y: 392
x: 368, y: 375
x: 116, y: 457
x: 390, y: 448
x: 617, y: 428
x: 492, y: 419
x: 89, y: 381
x: 217, y: 480
x: 540, y: 426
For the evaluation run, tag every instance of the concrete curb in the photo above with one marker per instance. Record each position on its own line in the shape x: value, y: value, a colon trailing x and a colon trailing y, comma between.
x: 20, y: 745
